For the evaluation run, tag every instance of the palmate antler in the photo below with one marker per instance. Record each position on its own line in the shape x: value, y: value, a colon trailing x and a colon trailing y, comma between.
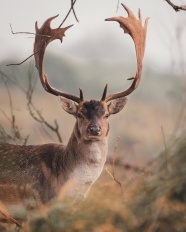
x: 134, y: 28
x: 44, y: 36
x: 130, y: 25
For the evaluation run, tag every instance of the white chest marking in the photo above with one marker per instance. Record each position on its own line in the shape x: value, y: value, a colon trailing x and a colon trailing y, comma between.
x: 86, y: 173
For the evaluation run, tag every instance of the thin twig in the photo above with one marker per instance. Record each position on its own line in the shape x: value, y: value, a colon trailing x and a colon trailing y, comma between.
x: 163, y: 134
x: 15, y: 132
x: 29, y: 33
x: 7, y: 78
x: 41, y: 119
x: 117, y: 6
x: 176, y: 7
x: 165, y: 145
x: 130, y: 78
x: 113, y: 176
x: 14, y: 127
x: 114, y: 156
x: 57, y: 131
x: 10, y: 100
x: 5, y: 115
x: 10, y: 218
x: 24, y: 59
x: 71, y: 9
x: 72, y: 5
x: 36, y: 114
x: 120, y: 163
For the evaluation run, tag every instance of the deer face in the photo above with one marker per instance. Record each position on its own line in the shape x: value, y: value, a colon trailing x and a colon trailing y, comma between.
x: 92, y: 116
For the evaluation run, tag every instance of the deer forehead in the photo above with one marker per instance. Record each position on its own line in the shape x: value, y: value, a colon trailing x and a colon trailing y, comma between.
x: 93, y: 108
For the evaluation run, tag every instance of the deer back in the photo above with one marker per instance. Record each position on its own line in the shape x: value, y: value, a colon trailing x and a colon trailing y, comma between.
x: 31, y: 170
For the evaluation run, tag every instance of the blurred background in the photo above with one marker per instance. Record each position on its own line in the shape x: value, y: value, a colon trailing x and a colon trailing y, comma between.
x: 149, y: 132
x: 93, y: 53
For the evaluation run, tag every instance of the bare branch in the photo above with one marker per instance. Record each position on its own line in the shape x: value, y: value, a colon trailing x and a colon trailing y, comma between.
x: 13, y: 81
x: 117, y: 8
x: 7, y: 215
x: 36, y: 114
x: 25, y: 59
x: 130, y: 78
x: 176, y: 7
x: 29, y: 33
x: 72, y: 5
x: 165, y: 165
x: 71, y: 9
x: 14, y: 131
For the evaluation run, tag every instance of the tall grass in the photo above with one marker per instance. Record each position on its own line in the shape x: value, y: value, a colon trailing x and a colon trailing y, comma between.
x: 148, y: 203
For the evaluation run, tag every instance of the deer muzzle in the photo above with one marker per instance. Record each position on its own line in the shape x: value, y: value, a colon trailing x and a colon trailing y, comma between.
x: 94, y: 130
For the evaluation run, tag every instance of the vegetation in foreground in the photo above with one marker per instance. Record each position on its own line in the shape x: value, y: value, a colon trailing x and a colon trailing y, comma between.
x: 134, y: 201
x: 149, y: 200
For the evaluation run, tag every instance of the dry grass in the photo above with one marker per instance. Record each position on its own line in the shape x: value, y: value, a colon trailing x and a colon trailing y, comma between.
x: 148, y: 203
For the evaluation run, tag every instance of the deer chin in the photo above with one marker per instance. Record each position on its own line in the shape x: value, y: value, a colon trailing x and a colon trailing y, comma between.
x: 93, y: 137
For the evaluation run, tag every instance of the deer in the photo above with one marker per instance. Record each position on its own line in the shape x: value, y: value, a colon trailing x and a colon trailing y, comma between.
x: 41, y: 171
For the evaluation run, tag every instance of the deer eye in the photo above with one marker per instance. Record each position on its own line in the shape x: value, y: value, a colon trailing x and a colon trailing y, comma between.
x: 80, y: 116
x: 106, y: 115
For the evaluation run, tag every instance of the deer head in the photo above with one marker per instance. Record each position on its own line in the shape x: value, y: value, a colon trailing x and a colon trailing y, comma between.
x: 92, y: 116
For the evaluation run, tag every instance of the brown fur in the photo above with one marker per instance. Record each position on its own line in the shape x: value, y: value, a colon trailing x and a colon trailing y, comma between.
x: 42, y: 171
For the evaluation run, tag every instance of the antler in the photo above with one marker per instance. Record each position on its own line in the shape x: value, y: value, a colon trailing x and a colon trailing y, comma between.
x: 43, y: 37
x: 134, y: 28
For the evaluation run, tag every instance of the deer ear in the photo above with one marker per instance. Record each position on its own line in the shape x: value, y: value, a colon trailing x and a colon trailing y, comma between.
x: 117, y: 105
x: 68, y: 105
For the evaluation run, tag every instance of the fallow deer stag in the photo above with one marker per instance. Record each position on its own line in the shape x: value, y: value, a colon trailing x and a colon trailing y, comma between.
x: 43, y: 170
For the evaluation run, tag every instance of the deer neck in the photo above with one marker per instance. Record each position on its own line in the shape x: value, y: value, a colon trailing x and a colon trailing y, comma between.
x: 87, y: 159
x: 86, y: 151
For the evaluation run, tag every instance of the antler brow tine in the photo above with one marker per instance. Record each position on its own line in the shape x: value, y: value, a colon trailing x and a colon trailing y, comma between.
x: 44, y: 36
x: 137, y: 31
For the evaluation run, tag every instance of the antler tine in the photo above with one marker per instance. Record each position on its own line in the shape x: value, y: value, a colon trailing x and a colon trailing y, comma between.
x: 135, y: 29
x: 104, y: 93
x: 81, y: 95
x: 44, y: 36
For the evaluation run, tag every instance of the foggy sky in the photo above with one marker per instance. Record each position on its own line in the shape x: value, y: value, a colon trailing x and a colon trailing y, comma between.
x: 92, y: 37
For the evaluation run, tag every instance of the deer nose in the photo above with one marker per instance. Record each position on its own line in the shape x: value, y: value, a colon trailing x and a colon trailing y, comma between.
x: 94, y: 130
